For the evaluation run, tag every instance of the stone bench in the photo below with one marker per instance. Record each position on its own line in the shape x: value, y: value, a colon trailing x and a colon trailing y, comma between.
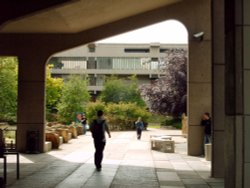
x: 163, y: 144
x: 63, y: 133
x: 161, y: 136
x: 53, y: 138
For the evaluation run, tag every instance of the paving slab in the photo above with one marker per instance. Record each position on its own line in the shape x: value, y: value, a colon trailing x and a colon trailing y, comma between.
x: 127, y: 162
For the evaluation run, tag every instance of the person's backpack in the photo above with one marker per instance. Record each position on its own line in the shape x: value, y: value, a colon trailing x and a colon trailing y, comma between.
x: 98, y: 129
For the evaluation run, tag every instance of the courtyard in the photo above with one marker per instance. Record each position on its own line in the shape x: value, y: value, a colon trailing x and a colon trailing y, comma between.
x: 128, y: 162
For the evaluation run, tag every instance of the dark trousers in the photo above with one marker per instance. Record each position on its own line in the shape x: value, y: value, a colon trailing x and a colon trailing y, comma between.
x: 99, y: 147
x: 138, y: 130
x: 84, y: 128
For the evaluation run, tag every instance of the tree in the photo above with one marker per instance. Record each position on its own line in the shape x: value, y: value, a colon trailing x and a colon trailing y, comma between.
x: 133, y: 93
x: 8, y: 88
x: 53, y: 92
x: 116, y: 90
x: 167, y: 95
x: 55, y: 62
x: 74, y: 99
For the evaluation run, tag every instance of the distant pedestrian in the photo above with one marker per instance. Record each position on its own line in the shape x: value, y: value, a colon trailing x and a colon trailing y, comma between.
x: 84, y: 123
x: 98, y: 129
x: 139, y: 127
x: 206, y: 123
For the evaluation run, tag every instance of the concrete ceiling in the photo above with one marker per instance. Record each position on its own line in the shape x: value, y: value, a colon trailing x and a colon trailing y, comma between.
x: 77, y: 15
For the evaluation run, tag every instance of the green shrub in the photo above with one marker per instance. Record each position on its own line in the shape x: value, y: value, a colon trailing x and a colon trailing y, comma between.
x: 122, y: 116
x: 51, y: 117
x: 119, y: 116
x: 177, y: 124
x: 156, y: 118
x: 92, y: 108
x: 9, y: 118
x: 170, y: 121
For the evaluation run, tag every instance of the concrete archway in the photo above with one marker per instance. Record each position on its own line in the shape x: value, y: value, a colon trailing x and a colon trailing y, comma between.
x: 34, y: 49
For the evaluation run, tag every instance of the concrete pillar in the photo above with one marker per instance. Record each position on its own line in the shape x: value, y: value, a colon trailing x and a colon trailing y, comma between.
x: 218, y: 89
x: 199, y: 77
x: 237, y: 102
x: 196, y: 16
x: 245, y: 132
x: 31, y: 101
x: 199, y: 90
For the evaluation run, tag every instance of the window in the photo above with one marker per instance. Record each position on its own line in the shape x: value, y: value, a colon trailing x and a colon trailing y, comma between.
x: 136, y: 50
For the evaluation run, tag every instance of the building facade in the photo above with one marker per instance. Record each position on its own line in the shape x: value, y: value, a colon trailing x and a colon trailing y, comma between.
x: 99, y: 60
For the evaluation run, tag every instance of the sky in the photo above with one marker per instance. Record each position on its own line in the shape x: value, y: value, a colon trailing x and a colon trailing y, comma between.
x: 170, y: 31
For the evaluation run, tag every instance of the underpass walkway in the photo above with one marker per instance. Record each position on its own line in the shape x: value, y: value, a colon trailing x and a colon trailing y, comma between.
x: 128, y: 162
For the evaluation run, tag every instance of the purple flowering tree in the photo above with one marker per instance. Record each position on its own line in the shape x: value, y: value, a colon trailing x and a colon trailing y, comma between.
x: 167, y: 94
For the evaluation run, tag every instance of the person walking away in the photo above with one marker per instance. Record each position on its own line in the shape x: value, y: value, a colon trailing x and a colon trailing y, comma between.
x: 139, y: 127
x: 206, y: 123
x: 98, y: 128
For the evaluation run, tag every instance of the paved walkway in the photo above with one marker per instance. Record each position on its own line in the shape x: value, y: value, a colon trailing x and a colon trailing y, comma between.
x: 128, y: 162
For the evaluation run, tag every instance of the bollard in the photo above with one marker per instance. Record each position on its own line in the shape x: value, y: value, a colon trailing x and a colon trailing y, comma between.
x: 208, y: 151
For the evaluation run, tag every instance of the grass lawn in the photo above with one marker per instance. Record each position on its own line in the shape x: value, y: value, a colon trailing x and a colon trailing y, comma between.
x: 154, y: 125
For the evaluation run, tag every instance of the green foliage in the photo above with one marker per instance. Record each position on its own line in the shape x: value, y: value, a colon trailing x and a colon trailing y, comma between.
x: 133, y: 94
x: 8, y: 88
x: 177, y: 124
x: 156, y: 118
x: 74, y: 99
x: 120, y: 116
x: 170, y: 121
x: 55, y: 62
x: 168, y: 94
x: 123, y: 103
x: 117, y: 90
x: 53, y: 93
x: 113, y: 91
x: 92, y: 108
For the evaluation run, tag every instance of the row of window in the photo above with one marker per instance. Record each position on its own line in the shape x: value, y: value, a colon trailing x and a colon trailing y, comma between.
x: 110, y: 63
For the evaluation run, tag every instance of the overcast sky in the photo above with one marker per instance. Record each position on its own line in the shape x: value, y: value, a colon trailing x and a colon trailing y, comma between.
x: 164, y: 32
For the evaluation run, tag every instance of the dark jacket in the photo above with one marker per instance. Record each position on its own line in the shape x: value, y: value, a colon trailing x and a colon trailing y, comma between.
x: 139, y: 125
x: 98, y: 128
x: 207, y: 125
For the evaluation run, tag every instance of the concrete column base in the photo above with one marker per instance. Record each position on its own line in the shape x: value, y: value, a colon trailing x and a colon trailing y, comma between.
x: 208, y: 152
x: 23, y: 142
x: 195, y: 140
